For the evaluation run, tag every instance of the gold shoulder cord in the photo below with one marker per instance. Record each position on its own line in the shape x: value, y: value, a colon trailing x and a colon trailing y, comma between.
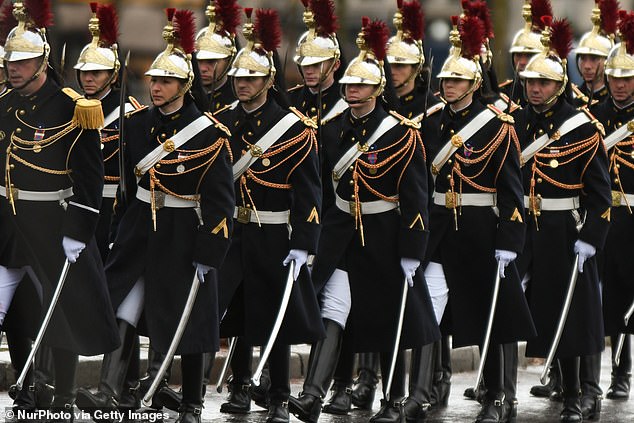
x: 620, y: 157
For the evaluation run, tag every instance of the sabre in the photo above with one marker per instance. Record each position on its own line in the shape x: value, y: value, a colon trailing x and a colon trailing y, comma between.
x: 562, y: 320
x: 45, y: 322
x: 276, y: 326
x: 621, y: 341
x: 122, y: 140
x: 397, y: 339
x: 180, y: 329
x: 225, y: 366
x: 487, y: 335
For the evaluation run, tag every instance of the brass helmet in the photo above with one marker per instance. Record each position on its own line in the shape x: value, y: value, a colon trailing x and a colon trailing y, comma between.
x: 528, y: 39
x: 319, y: 43
x: 263, y: 38
x: 551, y: 63
x: 101, y: 53
x: 2, y: 61
x: 600, y: 40
x: 218, y: 39
x: 28, y: 39
x: 620, y: 61
x: 367, y: 67
x: 466, y: 45
x: 406, y: 47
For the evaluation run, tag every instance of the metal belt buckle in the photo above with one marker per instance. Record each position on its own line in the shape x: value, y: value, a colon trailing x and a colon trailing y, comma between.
x: 353, y: 208
x: 535, y: 205
x: 616, y: 198
x: 244, y: 215
x: 159, y: 199
x: 451, y: 200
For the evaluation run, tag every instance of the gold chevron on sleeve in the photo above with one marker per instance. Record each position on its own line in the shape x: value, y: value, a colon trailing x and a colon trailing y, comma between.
x: 417, y: 220
x: 606, y: 215
x: 222, y: 226
x: 313, y: 217
x: 516, y: 216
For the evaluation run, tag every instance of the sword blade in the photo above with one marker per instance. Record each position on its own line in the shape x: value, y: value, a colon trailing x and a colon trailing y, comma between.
x: 397, y: 340
x: 225, y: 366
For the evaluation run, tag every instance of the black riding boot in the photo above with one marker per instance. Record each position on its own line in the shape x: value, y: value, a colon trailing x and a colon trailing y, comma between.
x: 493, y: 402
x: 114, y: 368
x: 190, y: 410
x: 365, y: 384
x: 391, y: 408
x: 280, y: 390
x: 44, y: 377
x: 129, y: 399
x: 65, y: 363
x: 571, y: 390
x: 155, y: 359
x: 591, y: 393
x: 621, y: 374
x: 417, y: 404
x: 442, y: 374
x: 239, y: 400
x: 19, y: 350
x: 553, y: 388
x: 511, y: 361
x: 321, y: 367
x: 340, y: 401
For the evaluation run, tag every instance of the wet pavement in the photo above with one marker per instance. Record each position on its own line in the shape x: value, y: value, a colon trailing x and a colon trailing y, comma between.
x: 531, y: 409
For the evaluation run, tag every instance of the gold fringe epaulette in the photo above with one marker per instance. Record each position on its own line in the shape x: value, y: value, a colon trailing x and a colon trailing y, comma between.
x: 219, y: 125
x: 88, y: 113
x: 504, y: 117
x: 311, y: 123
x: 405, y: 121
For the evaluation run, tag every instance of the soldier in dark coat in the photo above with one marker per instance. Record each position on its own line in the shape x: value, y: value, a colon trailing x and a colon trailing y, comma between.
x: 567, y: 194
x: 51, y: 194
x: 616, y: 115
x: 179, y: 206
x: 277, y: 213
x: 375, y: 200
x: 477, y: 220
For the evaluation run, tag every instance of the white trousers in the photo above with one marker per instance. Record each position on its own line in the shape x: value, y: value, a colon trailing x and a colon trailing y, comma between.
x: 336, y: 299
x: 132, y: 305
x: 438, y: 290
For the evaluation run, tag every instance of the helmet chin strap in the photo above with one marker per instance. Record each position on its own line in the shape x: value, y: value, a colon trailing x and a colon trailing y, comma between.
x: 267, y: 85
x: 471, y: 89
x: 415, y: 71
x: 375, y: 94
x: 37, y: 73
x: 106, y: 84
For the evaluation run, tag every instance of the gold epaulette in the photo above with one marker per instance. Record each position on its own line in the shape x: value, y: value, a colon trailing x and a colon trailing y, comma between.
x: 311, y: 123
x: 504, y: 117
x: 505, y: 83
x: 88, y: 113
x: 219, y: 125
x: 7, y: 91
x: 512, y: 105
x: 222, y: 109
x: 405, y: 121
x: 331, y: 118
x: 593, y: 120
x: 295, y: 88
x: 142, y: 108
x: 579, y: 94
x: 135, y: 103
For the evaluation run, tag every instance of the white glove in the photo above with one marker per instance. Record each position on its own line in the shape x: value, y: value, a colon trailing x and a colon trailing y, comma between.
x: 585, y: 252
x: 409, y: 266
x: 300, y: 257
x: 201, y: 271
x: 72, y: 248
x: 504, y: 257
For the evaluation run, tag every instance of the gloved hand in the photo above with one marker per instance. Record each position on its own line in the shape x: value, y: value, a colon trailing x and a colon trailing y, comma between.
x: 504, y: 257
x: 72, y: 248
x: 300, y: 257
x: 409, y: 266
x: 585, y: 252
x: 201, y: 271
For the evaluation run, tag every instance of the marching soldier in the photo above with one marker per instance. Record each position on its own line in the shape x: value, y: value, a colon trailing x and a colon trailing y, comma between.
x: 616, y: 114
x: 178, y: 209
x: 53, y: 183
x: 375, y: 169
x: 524, y: 46
x: 477, y: 219
x: 567, y: 195
x: 216, y: 49
x: 277, y: 213
x: 590, y: 55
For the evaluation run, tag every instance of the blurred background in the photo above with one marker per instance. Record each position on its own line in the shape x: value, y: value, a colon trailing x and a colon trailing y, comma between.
x: 141, y: 23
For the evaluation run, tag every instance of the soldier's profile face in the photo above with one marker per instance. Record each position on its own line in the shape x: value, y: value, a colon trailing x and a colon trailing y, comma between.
x: 211, y: 69
x: 401, y: 73
x: 622, y: 89
x: 539, y: 90
x: 19, y: 72
x: 455, y: 88
x: 591, y: 67
x: 93, y: 81
x: 164, y: 88
x: 247, y: 87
